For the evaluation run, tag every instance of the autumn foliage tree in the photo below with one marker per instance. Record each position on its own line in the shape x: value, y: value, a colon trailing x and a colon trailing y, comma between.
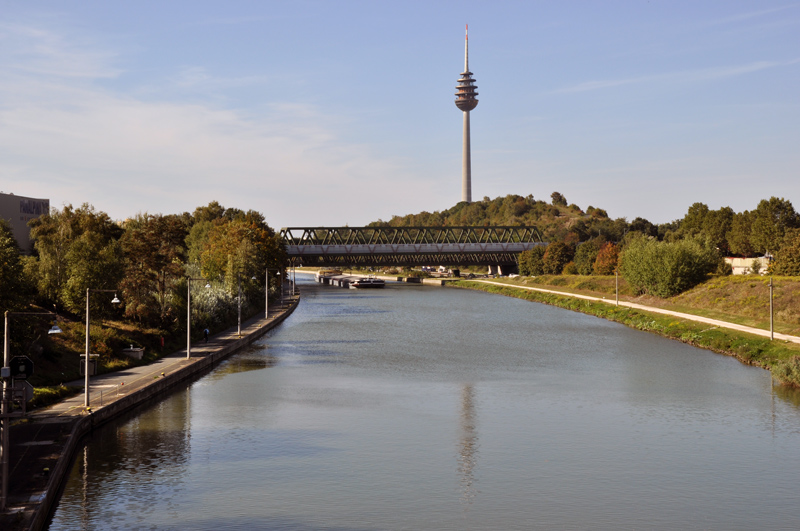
x: 606, y: 261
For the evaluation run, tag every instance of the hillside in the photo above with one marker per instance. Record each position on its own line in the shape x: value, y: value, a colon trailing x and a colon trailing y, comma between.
x: 555, y: 220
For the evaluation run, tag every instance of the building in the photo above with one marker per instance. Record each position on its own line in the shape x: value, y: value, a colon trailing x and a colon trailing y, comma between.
x: 744, y: 266
x: 466, y: 101
x: 18, y: 211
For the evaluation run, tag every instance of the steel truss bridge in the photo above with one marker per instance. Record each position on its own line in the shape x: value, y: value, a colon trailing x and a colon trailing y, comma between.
x: 408, y: 246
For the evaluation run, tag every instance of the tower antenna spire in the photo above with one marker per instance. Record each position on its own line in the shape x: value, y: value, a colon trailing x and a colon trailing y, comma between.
x: 466, y: 49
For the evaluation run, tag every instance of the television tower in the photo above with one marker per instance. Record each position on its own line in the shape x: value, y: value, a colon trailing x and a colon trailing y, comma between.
x: 466, y: 101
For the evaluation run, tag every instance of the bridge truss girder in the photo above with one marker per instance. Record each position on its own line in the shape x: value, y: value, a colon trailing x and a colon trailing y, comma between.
x: 408, y: 235
x: 408, y: 260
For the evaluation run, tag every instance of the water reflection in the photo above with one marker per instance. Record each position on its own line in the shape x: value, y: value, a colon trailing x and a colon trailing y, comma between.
x: 787, y: 394
x: 133, y: 461
x: 253, y: 359
x: 468, y: 446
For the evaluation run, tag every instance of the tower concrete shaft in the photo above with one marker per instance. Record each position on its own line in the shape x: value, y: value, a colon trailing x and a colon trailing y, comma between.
x: 466, y: 101
x: 466, y: 163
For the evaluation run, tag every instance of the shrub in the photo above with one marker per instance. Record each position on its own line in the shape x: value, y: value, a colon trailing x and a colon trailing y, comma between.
x: 665, y: 269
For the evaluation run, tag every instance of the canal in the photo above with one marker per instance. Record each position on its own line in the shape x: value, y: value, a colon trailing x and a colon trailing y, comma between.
x: 436, y: 408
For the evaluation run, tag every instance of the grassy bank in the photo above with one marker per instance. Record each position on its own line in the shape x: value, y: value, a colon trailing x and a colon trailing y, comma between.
x: 782, y: 358
x: 741, y: 299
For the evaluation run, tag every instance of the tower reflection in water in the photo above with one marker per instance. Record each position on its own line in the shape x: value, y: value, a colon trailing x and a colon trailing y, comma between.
x: 468, y: 446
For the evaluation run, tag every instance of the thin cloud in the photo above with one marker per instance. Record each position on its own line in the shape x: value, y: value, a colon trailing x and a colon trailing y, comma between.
x: 688, y: 76
x: 751, y: 15
x: 38, y: 51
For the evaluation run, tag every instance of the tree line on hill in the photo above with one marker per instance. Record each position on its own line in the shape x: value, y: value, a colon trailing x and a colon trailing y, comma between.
x: 147, y: 261
x: 662, y: 259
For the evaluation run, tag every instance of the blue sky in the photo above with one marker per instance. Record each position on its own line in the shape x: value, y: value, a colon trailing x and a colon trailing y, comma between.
x: 333, y: 113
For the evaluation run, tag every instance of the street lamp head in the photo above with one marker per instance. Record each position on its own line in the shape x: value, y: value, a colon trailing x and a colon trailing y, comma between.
x: 115, y: 300
x: 55, y: 329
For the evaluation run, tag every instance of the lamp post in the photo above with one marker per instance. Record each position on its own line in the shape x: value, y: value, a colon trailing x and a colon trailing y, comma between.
x: 189, y: 314
x: 771, y: 321
x: 115, y: 300
x: 266, y: 290
x: 5, y: 405
x: 239, y: 305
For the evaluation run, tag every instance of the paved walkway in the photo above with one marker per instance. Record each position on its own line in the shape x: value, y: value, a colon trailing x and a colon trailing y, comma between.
x: 714, y: 322
x: 40, y: 445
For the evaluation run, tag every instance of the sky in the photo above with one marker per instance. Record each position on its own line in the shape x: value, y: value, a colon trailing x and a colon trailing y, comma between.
x: 342, y: 113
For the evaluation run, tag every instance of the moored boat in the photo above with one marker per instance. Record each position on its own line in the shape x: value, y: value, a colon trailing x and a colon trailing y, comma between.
x: 367, y: 282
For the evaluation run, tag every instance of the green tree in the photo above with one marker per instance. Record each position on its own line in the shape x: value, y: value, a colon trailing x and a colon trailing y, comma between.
x: 771, y: 219
x: 558, y: 255
x: 530, y: 262
x: 643, y: 226
x: 62, y: 272
x: 739, y: 235
x: 15, y: 290
x: 585, y: 255
x: 787, y: 259
x: 92, y: 262
x: 558, y: 199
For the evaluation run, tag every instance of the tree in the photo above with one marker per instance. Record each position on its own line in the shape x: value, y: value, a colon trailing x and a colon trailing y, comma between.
x: 244, y: 247
x: 787, y: 259
x: 530, y: 262
x: 585, y: 256
x: 739, y: 235
x: 607, y: 259
x: 15, y: 290
x: 771, y: 219
x: 643, y: 226
x: 717, y: 226
x: 558, y: 199
x: 558, y: 255
x: 154, y: 251
x: 693, y: 222
x: 92, y: 262
x: 63, y: 272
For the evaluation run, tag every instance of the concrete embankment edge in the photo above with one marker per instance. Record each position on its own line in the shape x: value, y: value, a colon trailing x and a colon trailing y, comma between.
x: 125, y: 404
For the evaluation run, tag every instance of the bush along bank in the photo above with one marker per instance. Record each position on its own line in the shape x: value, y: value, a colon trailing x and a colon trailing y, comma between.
x: 781, y: 358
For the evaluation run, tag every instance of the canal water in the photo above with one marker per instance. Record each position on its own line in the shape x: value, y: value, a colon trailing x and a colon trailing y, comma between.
x: 437, y: 408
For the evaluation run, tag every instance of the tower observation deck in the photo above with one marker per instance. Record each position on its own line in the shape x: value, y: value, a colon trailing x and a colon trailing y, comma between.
x: 466, y: 101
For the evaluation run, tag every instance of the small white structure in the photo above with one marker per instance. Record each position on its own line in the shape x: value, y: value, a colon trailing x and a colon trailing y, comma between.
x: 135, y: 353
x: 744, y: 266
